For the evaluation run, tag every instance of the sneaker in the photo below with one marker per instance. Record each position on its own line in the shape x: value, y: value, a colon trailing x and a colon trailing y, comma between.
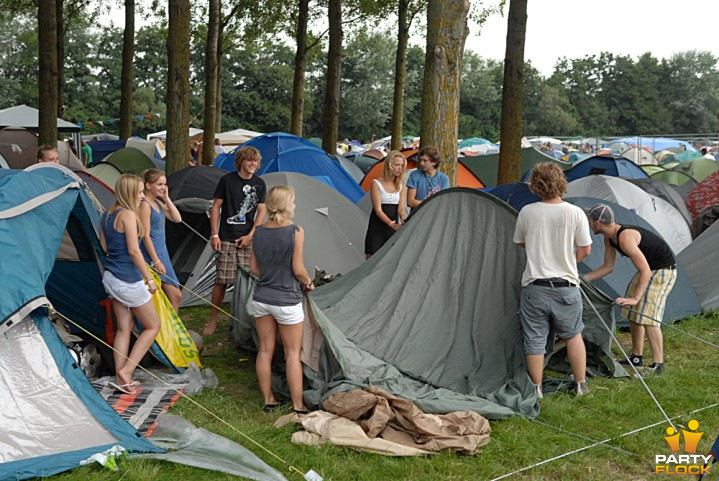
x: 538, y: 391
x: 582, y: 388
x: 635, y: 359
x: 654, y: 369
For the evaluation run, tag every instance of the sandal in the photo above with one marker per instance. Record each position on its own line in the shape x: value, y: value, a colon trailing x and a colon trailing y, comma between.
x: 124, y: 388
x: 270, y: 407
x: 301, y: 412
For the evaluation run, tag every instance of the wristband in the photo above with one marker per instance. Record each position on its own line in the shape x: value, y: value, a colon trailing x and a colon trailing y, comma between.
x: 214, y: 235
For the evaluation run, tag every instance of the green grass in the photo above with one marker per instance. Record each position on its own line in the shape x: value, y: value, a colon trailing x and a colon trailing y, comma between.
x: 614, y: 407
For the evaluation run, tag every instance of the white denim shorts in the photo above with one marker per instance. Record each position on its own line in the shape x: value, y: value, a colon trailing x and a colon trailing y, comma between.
x: 285, y: 315
x: 129, y: 294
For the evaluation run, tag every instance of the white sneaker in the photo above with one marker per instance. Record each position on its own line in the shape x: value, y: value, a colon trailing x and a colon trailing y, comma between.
x: 538, y: 391
x: 582, y: 388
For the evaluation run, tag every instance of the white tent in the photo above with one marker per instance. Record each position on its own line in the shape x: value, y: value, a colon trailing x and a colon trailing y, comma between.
x: 640, y: 156
x: 163, y: 134
x: 660, y: 214
x: 236, y: 137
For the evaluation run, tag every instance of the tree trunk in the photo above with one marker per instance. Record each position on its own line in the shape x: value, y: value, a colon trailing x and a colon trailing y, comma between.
x: 446, y: 33
x: 127, y: 76
x: 331, y: 112
x: 399, y: 75
x: 298, y: 84
x: 60, y: 30
x: 208, y: 136
x: 47, y: 73
x: 178, y: 85
x: 218, y: 91
x: 510, y: 155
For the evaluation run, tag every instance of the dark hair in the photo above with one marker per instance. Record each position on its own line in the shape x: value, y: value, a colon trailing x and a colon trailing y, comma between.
x: 548, y: 181
x: 44, y: 148
x: 432, y: 152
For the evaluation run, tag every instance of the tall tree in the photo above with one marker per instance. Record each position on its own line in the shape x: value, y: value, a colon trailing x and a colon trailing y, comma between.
x: 213, y: 30
x: 127, y: 76
x: 178, y: 85
x: 331, y: 111
x: 298, y: 84
x: 510, y: 155
x: 446, y: 34
x: 47, y: 73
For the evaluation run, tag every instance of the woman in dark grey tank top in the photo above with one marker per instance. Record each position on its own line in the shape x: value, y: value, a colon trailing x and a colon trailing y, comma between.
x: 277, y: 302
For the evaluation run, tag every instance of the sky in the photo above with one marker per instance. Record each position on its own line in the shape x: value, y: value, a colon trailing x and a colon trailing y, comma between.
x: 576, y: 28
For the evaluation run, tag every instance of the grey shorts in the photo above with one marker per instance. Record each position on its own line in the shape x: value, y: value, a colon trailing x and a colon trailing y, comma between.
x: 543, y: 307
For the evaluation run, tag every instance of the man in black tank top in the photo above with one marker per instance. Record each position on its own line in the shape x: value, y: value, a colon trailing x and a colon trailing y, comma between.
x: 648, y: 290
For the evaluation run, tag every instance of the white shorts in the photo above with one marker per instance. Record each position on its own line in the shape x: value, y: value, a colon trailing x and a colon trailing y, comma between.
x: 285, y: 315
x: 129, y: 294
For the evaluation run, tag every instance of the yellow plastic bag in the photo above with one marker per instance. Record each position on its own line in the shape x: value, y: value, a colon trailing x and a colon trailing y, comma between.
x: 173, y: 338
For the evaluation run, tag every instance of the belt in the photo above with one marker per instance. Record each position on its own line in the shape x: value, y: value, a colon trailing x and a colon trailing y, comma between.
x: 556, y: 282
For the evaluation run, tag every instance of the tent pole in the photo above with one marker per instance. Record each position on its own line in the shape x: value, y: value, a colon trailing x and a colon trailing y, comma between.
x: 561, y: 430
x: 638, y: 376
x: 673, y: 327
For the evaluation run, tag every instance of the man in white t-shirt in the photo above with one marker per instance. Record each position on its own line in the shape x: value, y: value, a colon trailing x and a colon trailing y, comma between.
x: 556, y: 237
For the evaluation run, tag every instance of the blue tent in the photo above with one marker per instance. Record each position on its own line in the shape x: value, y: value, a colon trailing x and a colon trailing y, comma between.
x: 47, y: 223
x: 605, y: 165
x: 656, y: 143
x: 288, y: 153
x: 516, y: 194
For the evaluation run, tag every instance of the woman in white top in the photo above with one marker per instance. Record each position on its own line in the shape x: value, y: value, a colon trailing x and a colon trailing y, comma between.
x: 389, y: 200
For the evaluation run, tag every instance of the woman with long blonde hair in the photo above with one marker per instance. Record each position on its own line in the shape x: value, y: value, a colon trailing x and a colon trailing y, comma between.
x: 389, y: 200
x: 127, y: 280
x: 154, y: 209
x: 277, y: 260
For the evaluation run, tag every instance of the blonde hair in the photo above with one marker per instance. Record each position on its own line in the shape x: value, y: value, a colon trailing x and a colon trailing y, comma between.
x: 548, y: 181
x: 278, y: 201
x: 386, y: 173
x: 247, y: 153
x: 127, y: 188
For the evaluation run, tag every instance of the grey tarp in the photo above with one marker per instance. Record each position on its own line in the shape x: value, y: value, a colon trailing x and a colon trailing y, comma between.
x: 700, y: 262
x: 432, y: 317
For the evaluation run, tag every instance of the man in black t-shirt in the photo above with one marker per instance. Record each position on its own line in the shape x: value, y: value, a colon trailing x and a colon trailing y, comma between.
x: 239, y: 201
x: 648, y: 290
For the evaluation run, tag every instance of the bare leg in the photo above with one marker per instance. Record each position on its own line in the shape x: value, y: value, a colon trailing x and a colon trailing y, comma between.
x: 291, y: 337
x: 218, y: 295
x: 174, y: 295
x: 637, y: 332
x: 147, y: 314
x: 267, y: 332
x: 577, y: 355
x: 535, y: 367
x: 656, y: 343
x: 121, y: 344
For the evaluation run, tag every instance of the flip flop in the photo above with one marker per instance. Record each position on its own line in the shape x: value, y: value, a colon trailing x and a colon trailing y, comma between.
x: 270, y: 407
x: 125, y: 388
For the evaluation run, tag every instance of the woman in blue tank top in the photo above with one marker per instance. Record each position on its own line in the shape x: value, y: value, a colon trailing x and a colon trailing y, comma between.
x: 277, y: 260
x: 154, y: 209
x: 127, y: 281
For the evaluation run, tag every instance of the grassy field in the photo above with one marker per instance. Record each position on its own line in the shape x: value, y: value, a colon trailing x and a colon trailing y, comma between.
x: 614, y: 407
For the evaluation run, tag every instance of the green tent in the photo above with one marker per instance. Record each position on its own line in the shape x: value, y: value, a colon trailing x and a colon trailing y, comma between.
x: 699, y: 168
x: 130, y: 160
x: 432, y: 317
x: 486, y: 167
x: 652, y: 169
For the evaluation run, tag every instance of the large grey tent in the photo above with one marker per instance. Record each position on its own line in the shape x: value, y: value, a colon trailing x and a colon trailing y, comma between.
x: 432, y: 317
x: 700, y: 262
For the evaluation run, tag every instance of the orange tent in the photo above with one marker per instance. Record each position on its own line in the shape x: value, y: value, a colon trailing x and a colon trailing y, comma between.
x: 465, y: 177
